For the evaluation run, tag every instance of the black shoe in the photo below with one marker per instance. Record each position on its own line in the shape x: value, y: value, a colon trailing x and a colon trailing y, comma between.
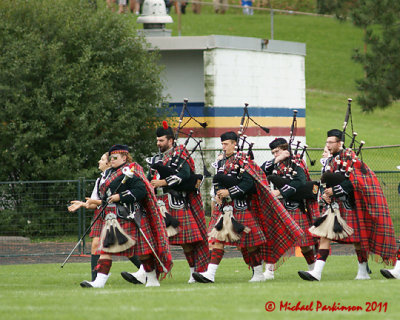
x: 387, y: 274
x: 200, y: 278
x: 86, y: 284
x: 130, y: 278
x: 306, y: 276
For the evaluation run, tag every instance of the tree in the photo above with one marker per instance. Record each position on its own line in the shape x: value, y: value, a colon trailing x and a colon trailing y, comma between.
x: 381, y: 56
x: 339, y: 7
x: 326, y: 6
x: 74, y: 79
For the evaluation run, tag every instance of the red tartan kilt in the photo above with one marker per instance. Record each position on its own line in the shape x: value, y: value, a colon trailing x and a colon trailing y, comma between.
x: 254, y: 238
x: 304, y: 222
x: 350, y: 216
x: 189, y: 231
x: 141, y: 247
x: 313, y: 209
x: 98, y: 225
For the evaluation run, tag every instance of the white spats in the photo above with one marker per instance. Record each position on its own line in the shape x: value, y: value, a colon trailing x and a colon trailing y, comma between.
x: 269, y: 271
x: 393, y: 273
x: 191, y: 279
x: 311, y: 266
x: 208, y: 276
x: 152, y: 280
x: 315, y: 274
x: 362, y: 273
x: 258, y: 275
x: 99, y: 282
x: 138, y: 277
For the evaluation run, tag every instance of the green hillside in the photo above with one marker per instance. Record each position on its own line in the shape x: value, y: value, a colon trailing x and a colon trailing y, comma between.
x: 330, y: 72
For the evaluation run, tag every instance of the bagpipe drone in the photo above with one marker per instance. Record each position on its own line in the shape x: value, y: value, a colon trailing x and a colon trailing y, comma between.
x: 227, y: 227
x: 331, y: 225
x: 309, y: 191
x: 180, y: 156
x: 236, y: 170
x: 175, y: 163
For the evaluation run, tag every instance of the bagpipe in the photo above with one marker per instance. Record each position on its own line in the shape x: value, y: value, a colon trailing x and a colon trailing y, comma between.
x: 344, y: 165
x: 222, y: 180
x: 180, y: 156
x: 174, y: 164
x: 236, y: 168
x: 289, y: 168
x: 308, y: 191
x: 331, y: 225
x: 227, y: 228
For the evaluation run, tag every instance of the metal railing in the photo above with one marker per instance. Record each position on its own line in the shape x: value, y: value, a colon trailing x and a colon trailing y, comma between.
x: 34, y: 216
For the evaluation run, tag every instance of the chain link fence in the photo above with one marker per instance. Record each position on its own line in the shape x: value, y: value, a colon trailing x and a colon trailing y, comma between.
x: 35, y: 219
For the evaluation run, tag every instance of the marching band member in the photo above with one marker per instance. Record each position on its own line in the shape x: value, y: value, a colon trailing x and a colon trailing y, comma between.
x: 247, y: 215
x: 363, y: 216
x: 179, y: 200
x: 132, y: 223
x: 94, y: 203
x: 303, y: 211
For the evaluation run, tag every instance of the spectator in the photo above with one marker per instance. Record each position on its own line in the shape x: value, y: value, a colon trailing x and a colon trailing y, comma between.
x: 247, y: 6
x: 180, y: 6
x: 135, y: 6
x: 168, y: 5
x: 196, y: 7
x: 122, y: 5
x: 220, y: 6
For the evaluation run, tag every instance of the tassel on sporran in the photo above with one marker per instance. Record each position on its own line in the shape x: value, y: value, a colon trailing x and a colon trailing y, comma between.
x: 331, y: 225
x: 227, y: 229
x: 113, y: 238
x: 171, y: 223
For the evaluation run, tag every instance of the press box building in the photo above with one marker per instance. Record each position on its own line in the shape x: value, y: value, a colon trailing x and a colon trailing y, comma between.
x: 219, y: 74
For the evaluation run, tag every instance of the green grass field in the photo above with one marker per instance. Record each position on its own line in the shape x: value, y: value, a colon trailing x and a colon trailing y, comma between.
x: 45, y: 291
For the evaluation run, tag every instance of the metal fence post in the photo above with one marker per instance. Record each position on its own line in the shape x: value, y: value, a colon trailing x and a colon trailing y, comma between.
x: 79, y: 213
x: 83, y: 213
x: 272, y: 24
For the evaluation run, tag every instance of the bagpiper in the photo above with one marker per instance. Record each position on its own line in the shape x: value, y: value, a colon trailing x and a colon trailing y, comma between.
x: 133, y: 224
x: 246, y: 215
x: 172, y: 174
x: 289, y: 176
x: 356, y: 210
